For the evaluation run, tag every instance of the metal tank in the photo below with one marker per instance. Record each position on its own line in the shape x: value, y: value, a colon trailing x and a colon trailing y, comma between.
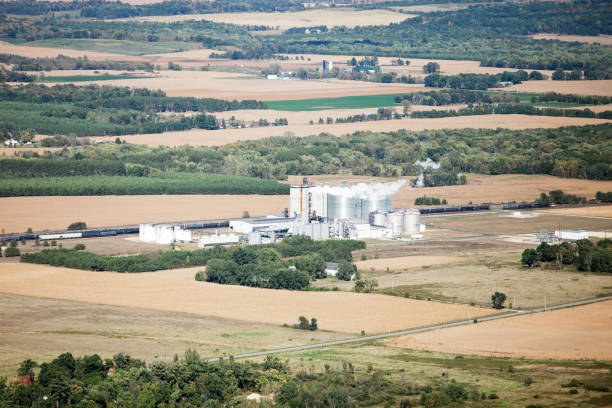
x: 412, y: 221
x: 378, y: 218
x: 340, y: 207
x: 395, y: 221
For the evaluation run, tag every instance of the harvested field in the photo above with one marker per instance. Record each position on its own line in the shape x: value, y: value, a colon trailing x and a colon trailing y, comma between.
x: 177, y: 291
x: 224, y: 85
x: 603, y: 87
x: 33, y: 52
x: 591, y: 39
x: 56, y: 213
x: 122, y: 47
x: 575, y: 333
x: 481, y: 188
x: 281, y: 21
x: 501, y: 223
x: 198, y: 137
x: 41, y: 329
x: 591, y: 211
x: 406, y: 262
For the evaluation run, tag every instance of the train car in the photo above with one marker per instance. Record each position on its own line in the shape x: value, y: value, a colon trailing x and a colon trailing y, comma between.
x: 61, y: 235
x: 108, y: 233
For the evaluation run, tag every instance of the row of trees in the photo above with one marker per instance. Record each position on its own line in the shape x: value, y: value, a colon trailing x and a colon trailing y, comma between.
x: 572, y: 98
x: 583, y: 254
x: 191, y: 381
x: 453, y: 96
x: 62, y: 62
x: 157, y: 183
x: 511, y: 109
x: 429, y: 201
x: 559, y: 197
x: 479, y: 81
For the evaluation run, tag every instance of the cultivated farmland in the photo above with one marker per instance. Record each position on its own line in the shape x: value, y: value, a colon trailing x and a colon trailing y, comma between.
x: 282, y: 21
x: 177, y: 291
x: 198, y: 137
x: 49, y: 213
x: 576, y: 333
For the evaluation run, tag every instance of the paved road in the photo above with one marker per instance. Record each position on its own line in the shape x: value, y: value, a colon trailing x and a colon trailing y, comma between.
x: 414, y: 331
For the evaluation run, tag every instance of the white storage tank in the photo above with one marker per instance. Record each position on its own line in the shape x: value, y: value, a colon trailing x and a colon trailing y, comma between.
x: 146, y: 232
x: 378, y: 218
x: 412, y: 221
x: 395, y: 221
x: 164, y: 234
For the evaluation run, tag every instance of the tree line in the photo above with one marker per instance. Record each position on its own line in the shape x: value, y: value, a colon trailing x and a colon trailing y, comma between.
x: 157, y: 183
x: 582, y: 254
x: 260, y: 265
x: 512, y: 109
x: 62, y: 62
x: 479, y: 81
x: 454, y: 96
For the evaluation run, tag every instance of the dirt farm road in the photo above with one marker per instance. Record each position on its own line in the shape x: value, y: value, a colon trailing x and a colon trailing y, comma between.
x: 414, y: 331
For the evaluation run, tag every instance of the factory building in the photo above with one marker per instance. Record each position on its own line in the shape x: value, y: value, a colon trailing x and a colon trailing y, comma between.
x: 572, y: 235
x: 163, y: 233
x: 218, y: 239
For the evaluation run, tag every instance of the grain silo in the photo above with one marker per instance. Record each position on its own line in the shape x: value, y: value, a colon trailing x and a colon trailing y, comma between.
x: 378, y: 218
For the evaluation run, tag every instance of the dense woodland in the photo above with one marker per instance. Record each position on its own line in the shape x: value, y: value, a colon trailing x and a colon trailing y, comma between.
x: 578, y: 152
x: 190, y: 381
x: 156, y: 183
x: 93, y: 110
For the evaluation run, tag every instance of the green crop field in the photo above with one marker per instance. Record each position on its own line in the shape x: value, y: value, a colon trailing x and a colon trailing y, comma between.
x: 346, y: 102
x: 83, y: 78
x: 123, y: 47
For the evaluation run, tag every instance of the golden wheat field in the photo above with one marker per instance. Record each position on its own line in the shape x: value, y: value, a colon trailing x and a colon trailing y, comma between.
x: 576, y: 333
x: 52, y: 213
x: 603, y: 87
x: 198, y: 137
x: 178, y: 291
x: 281, y: 21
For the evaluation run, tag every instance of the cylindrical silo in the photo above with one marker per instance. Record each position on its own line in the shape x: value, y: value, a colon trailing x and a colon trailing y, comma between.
x: 342, y: 207
x: 395, y: 221
x: 377, y: 218
x: 412, y: 221
x: 164, y: 234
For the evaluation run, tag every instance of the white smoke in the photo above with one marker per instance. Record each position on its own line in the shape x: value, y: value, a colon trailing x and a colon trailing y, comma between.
x: 425, y: 165
x: 362, y: 190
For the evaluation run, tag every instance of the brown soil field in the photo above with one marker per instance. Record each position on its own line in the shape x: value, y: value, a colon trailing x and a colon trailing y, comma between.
x: 41, y: 329
x: 56, y: 213
x: 591, y: 211
x: 198, y: 137
x: 13, y: 152
x: 406, y: 262
x: 603, y: 87
x: 330, y: 17
x: 575, y: 333
x: 502, y: 223
x: 480, y: 188
x: 33, y: 52
x: 178, y: 291
x: 601, y: 39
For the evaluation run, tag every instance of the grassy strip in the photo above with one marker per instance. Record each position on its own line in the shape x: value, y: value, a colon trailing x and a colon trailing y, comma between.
x: 160, y: 183
x: 83, y: 78
x: 346, y: 102
x: 123, y: 47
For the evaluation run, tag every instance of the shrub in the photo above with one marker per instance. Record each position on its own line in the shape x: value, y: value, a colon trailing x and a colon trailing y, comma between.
x: 80, y: 225
x: 528, y: 381
x: 11, y: 251
x: 200, y: 276
x: 79, y: 247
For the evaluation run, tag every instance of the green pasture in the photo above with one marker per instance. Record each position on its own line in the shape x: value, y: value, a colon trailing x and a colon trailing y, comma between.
x: 345, y: 102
